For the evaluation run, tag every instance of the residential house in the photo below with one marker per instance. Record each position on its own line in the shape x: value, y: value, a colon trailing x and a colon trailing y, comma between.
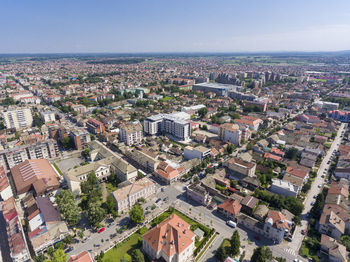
x: 94, y: 126
x: 169, y: 172
x: 249, y: 203
x: 277, y: 226
x: 5, y: 188
x: 230, y: 208
x: 198, y: 193
x: 285, y: 188
x: 336, y: 252
x: 239, y: 168
x: 332, y: 225
x: 199, y: 152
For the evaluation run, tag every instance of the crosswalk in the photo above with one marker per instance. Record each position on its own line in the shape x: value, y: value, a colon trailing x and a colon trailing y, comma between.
x: 290, y: 251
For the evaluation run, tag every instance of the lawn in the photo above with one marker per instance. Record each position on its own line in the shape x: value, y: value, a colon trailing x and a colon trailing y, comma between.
x: 167, y: 98
x: 124, y: 249
x: 57, y: 168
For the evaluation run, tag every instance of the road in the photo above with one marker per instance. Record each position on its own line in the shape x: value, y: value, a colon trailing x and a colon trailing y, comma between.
x: 315, y: 190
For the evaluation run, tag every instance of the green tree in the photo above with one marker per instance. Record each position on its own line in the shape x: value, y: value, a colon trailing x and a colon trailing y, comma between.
x: 235, y: 243
x: 137, y: 256
x: 68, y: 207
x: 86, y: 152
x: 202, y: 112
x: 37, y: 121
x: 292, y: 153
x: 110, y: 204
x: 50, y: 251
x: 221, y: 252
x: 40, y: 258
x: 137, y: 214
x: 262, y: 254
x: 67, y: 142
x: 95, y: 213
x: 59, y: 256
x: 345, y: 240
x: 81, y: 234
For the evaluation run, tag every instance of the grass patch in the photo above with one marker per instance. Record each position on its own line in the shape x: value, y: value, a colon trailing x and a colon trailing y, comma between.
x: 58, y: 169
x: 206, y: 247
x: 123, y: 249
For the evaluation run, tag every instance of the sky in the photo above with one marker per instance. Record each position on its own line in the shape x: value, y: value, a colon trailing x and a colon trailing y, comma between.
x: 136, y: 26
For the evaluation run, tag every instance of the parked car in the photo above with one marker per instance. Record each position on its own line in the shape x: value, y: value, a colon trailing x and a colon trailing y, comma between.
x: 319, y: 186
x: 231, y: 223
x: 101, y: 230
x: 303, y: 232
x: 158, y: 200
x: 313, y: 203
x: 165, y: 199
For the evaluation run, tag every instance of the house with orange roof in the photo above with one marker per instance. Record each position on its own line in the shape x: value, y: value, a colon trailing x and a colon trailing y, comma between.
x: 273, y: 157
x: 230, y: 208
x: 171, y: 240
x: 81, y: 257
x: 5, y: 188
x: 168, y: 172
x: 277, y: 226
x: 298, y: 172
x: 249, y: 121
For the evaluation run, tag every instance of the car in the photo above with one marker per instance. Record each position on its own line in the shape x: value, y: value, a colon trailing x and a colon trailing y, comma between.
x: 162, y: 189
x: 101, y: 230
x: 313, y: 203
x: 303, y: 232
x: 319, y: 186
x: 158, y: 200
x: 231, y: 223
x: 322, y: 176
x: 328, y: 162
x: 165, y: 198
x: 315, y: 196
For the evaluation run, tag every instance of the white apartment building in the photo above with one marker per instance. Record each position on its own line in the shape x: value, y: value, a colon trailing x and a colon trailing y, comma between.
x: 199, y: 152
x: 230, y: 133
x: 18, y: 118
x: 131, y: 133
x: 285, y: 188
x: 48, y: 116
x: 128, y: 196
x: 174, y: 124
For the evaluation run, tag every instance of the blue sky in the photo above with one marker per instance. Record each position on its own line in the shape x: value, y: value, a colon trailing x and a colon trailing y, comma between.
x: 37, y: 26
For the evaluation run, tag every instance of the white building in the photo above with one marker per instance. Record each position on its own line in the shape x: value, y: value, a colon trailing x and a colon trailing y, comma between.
x: 230, y: 133
x: 282, y: 187
x: 174, y: 124
x: 199, y: 152
x: 131, y: 133
x: 5, y: 188
x: 18, y: 118
x: 48, y: 116
x: 128, y: 196
x: 276, y: 226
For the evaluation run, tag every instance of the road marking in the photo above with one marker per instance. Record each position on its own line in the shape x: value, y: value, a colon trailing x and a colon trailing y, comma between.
x: 290, y: 251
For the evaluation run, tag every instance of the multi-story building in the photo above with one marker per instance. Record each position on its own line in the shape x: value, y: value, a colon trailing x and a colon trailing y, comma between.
x: 131, y: 133
x: 5, y: 188
x: 239, y: 167
x: 285, y: 188
x: 332, y: 225
x: 277, y: 226
x: 249, y: 122
x: 128, y: 196
x: 199, y: 152
x: 80, y: 138
x: 230, y: 208
x: 13, y: 156
x: 18, y: 118
x: 48, y: 116
x: 198, y: 193
x: 171, y: 240
x: 218, y: 89
x: 230, y: 133
x: 94, y: 126
x: 174, y: 124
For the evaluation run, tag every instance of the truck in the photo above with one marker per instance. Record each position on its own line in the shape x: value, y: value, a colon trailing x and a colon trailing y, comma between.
x: 231, y: 223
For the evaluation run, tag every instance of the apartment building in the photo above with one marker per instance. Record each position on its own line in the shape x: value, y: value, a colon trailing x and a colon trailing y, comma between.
x: 218, y: 89
x: 131, y: 133
x: 48, y: 116
x: 175, y: 124
x: 285, y: 188
x: 198, y: 194
x: 80, y: 138
x: 277, y: 226
x: 240, y: 168
x: 332, y: 225
x: 230, y: 133
x: 128, y: 196
x: 5, y: 188
x: 94, y: 126
x: 18, y: 118
x: 13, y: 156
x: 179, y: 239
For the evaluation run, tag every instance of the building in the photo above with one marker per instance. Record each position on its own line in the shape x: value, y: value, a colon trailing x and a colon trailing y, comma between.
x: 198, y: 193
x: 14, y: 156
x: 129, y: 195
x: 81, y: 138
x: 171, y: 240
x: 342, y: 116
x: 175, y: 125
x: 48, y: 116
x: 332, y: 225
x: 249, y: 203
x: 298, y: 172
x: 285, y: 188
x: 18, y: 248
x: 5, y: 188
x: 169, y: 172
x: 35, y: 174
x: 230, y: 208
x: 94, y: 126
x: 239, y: 168
x: 277, y: 226
x: 131, y: 133
x: 218, y: 89
x: 327, y: 105
x: 230, y: 133
x: 199, y: 152
x: 146, y: 159
x: 18, y: 118
x: 241, y: 96
x: 336, y: 252
x: 250, y: 122
x: 82, y: 257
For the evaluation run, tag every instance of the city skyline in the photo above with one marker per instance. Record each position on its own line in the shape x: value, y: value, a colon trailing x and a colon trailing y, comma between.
x: 162, y: 27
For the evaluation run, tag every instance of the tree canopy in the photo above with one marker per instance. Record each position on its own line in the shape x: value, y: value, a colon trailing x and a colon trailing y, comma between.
x: 137, y: 214
x: 235, y: 243
x: 262, y: 254
x: 68, y: 207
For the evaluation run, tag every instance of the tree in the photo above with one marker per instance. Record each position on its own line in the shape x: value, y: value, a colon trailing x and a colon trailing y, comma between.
x: 292, y: 153
x: 262, y: 254
x: 95, y: 213
x: 86, y: 152
x: 137, y: 256
x: 68, y: 207
x: 345, y: 240
x: 110, y: 204
x: 235, y: 244
x: 81, y: 234
x: 202, y: 112
x: 37, y: 121
x: 59, y: 256
x: 40, y: 258
x: 137, y: 214
x: 221, y: 252
x: 67, y: 142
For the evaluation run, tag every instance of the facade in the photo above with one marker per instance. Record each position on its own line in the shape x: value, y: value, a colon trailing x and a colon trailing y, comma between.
x: 283, y: 187
x: 169, y: 172
x: 336, y: 252
x: 48, y: 116
x: 18, y: 118
x: 332, y: 225
x: 128, y: 196
x: 240, y: 167
x: 230, y: 133
x: 277, y: 226
x: 5, y: 188
x: 80, y: 138
x: 172, y: 240
x: 174, y: 124
x: 146, y: 160
x: 230, y: 208
x: 198, y: 194
x: 14, y: 156
x: 131, y: 133
x: 94, y: 126
x: 199, y: 152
